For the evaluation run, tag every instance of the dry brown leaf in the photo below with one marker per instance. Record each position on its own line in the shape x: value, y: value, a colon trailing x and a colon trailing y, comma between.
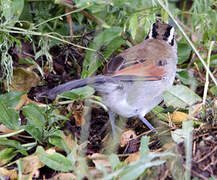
x: 77, y: 108
x: 31, y: 164
x: 132, y: 157
x: 126, y: 136
x: 23, y: 80
x: 24, y: 100
x: 64, y: 176
x: 70, y: 142
x: 177, y: 117
x: 12, y: 174
x: 78, y: 114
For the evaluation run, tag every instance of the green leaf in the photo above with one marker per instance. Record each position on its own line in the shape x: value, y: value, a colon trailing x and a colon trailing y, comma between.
x: 58, y: 139
x: 115, y: 162
x: 11, y: 10
x: 180, y: 96
x: 184, y: 51
x: 12, y: 98
x: 133, y: 25
x: 9, y: 117
x: 35, y: 132
x: 55, y: 161
x: 78, y: 94
x: 186, y: 77
x: 144, y: 149
x: 213, y: 90
x: 92, y: 60
x: 4, y: 142
x: 159, y: 112
x: 6, y: 155
x: 34, y: 115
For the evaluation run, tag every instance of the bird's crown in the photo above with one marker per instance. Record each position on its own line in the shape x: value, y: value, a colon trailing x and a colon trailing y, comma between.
x: 162, y: 31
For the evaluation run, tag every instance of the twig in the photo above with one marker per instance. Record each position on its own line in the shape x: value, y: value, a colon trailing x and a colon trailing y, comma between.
x: 69, y: 19
x: 86, y: 14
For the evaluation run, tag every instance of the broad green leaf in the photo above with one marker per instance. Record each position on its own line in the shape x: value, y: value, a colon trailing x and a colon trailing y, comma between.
x: 11, y: 10
x: 180, y: 96
x: 186, y: 77
x: 78, y: 94
x: 8, y: 116
x: 92, y: 60
x: 34, y: 131
x: 4, y: 142
x: 12, y: 98
x: 58, y: 139
x: 133, y: 24
x: 144, y: 149
x: 34, y: 115
x: 55, y: 161
x: 184, y: 51
x: 6, y: 155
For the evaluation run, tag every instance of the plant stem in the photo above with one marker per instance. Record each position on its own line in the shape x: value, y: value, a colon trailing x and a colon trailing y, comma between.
x: 207, y: 75
x: 12, y: 134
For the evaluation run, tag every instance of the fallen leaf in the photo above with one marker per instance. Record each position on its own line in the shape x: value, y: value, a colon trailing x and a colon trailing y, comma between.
x: 23, y: 80
x: 126, y: 136
x: 31, y: 164
x: 12, y: 174
x: 77, y: 109
x: 177, y: 117
x: 70, y: 142
x: 132, y: 157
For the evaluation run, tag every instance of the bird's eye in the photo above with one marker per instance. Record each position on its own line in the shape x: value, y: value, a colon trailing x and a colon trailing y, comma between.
x: 161, y: 62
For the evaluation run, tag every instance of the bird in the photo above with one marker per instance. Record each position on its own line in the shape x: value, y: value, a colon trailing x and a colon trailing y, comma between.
x: 133, y: 82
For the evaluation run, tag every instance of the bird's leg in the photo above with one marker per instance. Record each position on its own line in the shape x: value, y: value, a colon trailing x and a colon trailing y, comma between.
x: 112, y: 121
x: 148, y: 124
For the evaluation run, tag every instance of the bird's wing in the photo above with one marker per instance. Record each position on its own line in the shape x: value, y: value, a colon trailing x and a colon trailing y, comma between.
x: 135, y: 63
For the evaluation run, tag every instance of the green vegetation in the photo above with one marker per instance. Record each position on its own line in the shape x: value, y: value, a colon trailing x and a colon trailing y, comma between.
x: 84, y: 35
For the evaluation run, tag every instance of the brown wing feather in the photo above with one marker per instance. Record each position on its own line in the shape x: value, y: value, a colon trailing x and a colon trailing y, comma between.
x: 127, y: 57
x: 145, y: 69
x: 141, y: 60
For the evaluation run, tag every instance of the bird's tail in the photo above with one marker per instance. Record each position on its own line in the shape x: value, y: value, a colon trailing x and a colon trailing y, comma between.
x: 93, y: 81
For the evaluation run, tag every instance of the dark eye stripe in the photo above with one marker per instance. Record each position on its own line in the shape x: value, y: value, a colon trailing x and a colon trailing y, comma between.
x: 167, y: 33
x: 154, y: 30
x: 172, y: 42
